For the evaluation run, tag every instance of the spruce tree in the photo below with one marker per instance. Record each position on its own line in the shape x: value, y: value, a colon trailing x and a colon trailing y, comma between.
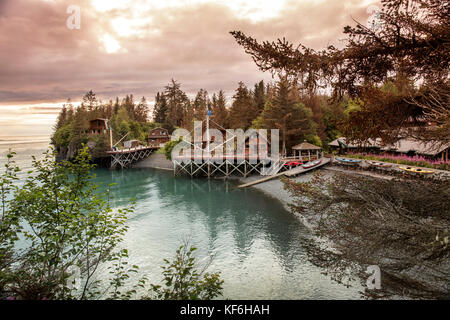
x: 219, y: 110
x: 292, y: 118
x: 243, y: 110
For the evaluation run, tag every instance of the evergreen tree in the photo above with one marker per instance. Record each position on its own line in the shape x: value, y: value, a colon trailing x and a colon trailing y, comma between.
x: 243, y: 110
x: 292, y: 118
x: 219, y: 110
x: 177, y: 104
x: 90, y: 100
x: 142, y: 111
x: 200, y: 105
x: 116, y: 105
x: 259, y: 96
x: 160, y: 109
x: 62, y: 116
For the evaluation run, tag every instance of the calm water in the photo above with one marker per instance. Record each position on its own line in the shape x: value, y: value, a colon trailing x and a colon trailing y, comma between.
x: 257, y: 245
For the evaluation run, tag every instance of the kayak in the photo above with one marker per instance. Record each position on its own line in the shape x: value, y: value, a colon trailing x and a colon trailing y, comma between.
x: 311, y: 164
x: 293, y: 163
x: 349, y: 161
x: 380, y: 164
x: 416, y: 170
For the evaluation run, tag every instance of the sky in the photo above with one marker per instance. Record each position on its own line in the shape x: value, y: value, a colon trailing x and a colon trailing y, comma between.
x: 137, y: 46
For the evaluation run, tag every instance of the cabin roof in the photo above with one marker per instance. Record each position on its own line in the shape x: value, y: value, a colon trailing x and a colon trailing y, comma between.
x: 159, y: 129
x: 305, y: 146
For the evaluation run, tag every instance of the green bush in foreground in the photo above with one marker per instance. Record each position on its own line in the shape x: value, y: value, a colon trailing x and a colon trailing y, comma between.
x: 57, y: 232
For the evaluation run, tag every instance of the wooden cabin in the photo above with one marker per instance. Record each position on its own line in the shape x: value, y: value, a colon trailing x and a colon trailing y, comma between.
x: 158, y: 137
x: 98, y: 126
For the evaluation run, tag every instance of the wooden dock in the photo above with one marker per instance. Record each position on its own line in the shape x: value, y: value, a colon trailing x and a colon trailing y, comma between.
x: 289, y: 173
x: 126, y: 157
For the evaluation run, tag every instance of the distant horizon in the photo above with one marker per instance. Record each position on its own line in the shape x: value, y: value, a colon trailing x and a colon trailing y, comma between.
x: 136, y: 47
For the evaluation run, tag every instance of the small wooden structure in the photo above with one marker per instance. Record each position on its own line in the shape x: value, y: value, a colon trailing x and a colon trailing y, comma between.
x: 158, y: 137
x: 131, y: 144
x: 306, y: 149
x: 98, y: 126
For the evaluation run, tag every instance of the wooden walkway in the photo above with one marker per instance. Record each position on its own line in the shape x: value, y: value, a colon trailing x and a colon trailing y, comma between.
x: 126, y: 157
x: 289, y: 173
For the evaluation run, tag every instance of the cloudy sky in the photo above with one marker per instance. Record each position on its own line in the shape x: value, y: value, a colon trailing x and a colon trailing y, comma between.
x: 137, y: 46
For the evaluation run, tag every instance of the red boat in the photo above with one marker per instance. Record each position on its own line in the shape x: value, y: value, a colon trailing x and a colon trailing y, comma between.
x: 293, y: 163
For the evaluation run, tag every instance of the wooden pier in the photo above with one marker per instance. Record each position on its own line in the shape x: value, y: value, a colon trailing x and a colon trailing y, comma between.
x: 224, y: 165
x: 126, y: 157
x: 289, y: 173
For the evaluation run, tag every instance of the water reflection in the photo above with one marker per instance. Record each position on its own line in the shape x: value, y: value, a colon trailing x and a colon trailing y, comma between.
x: 257, y: 244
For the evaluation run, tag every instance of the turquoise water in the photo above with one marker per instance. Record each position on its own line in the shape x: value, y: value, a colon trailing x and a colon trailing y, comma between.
x: 255, y: 242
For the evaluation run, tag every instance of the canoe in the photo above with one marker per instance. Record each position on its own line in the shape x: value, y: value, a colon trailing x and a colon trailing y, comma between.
x: 311, y: 164
x: 293, y: 163
x: 416, y: 170
x: 380, y: 164
x: 348, y: 161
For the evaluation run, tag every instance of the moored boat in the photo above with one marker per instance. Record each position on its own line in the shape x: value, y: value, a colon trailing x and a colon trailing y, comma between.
x: 312, y: 164
x: 416, y: 170
x: 348, y: 161
x: 380, y: 164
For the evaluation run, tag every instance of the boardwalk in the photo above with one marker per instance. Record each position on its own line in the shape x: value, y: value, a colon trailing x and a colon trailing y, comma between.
x: 289, y: 173
x: 126, y: 157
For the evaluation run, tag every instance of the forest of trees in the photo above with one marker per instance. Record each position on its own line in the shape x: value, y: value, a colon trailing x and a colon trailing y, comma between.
x: 276, y: 105
x: 124, y: 116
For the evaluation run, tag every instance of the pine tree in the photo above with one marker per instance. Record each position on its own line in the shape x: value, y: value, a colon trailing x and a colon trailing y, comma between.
x: 283, y: 112
x: 200, y: 105
x: 63, y: 115
x: 243, y: 110
x: 259, y: 96
x: 219, y: 110
x: 116, y: 106
x: 142, y: 111
x: 90, y: 100
x: 160, y: 109
x: 177, y: 104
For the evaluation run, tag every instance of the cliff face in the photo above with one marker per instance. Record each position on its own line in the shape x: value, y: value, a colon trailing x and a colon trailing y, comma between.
x: 98, y: 145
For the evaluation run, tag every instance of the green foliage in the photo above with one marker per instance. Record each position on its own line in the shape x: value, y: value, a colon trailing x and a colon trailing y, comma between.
x: 284, y: 112
x: 64, y: 224
x: 184, y: 280
x: 57, y: 231
x: 63, y: 136
x: 168, y: 147
x: 124, y: 117
x: 9, y: 223
x: 314, y: 139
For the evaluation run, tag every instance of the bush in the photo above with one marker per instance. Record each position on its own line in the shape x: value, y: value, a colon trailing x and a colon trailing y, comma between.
x: 68, y: 231
x: 168, y: 147
x: 183, y: 280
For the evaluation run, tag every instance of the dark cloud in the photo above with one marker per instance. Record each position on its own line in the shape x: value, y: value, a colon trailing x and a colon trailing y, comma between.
x: 43, y: 61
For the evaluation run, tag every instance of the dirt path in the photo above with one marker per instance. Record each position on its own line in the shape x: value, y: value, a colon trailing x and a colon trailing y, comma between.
x: 156, y: 161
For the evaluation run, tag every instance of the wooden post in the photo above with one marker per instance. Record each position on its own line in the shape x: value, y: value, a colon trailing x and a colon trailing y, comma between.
x: 110, y: 139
